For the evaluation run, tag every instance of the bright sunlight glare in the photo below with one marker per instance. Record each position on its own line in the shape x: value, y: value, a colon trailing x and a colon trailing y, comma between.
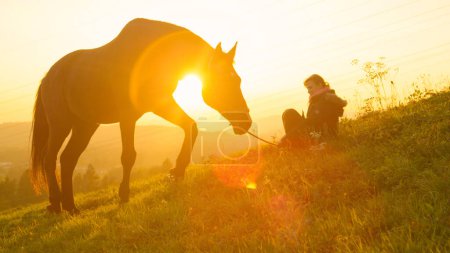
x: 189, y: 94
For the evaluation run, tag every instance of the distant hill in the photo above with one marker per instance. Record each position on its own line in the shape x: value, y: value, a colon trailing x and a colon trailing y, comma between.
x: 153, y: 143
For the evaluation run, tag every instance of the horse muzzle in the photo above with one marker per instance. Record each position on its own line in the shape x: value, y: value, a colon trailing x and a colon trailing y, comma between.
x: 241, y: 122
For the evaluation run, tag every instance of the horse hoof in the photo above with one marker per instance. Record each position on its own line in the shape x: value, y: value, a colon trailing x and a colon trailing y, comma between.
x: 71, y: 209
x: 124, y: 200
x: 74, y: 211
x: 53, y: 209
x: 124, y: 194
x: 175, y: 176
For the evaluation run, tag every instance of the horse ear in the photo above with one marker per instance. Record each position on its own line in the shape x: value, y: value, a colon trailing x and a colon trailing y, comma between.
x: 219, y: 47
x: 232, y: 52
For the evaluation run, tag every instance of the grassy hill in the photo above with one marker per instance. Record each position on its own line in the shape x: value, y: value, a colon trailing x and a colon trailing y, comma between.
x: 384, y: 187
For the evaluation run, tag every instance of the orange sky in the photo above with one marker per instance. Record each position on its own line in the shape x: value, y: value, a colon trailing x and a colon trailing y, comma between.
x: 281, y: 42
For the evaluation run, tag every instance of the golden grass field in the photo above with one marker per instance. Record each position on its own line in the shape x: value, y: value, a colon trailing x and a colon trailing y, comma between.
x: 383, y: 187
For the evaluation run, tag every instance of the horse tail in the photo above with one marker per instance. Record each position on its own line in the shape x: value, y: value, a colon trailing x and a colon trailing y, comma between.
x: 40, y: 133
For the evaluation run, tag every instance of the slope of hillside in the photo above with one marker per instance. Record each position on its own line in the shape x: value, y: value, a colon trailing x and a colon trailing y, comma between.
x: 384, y: 187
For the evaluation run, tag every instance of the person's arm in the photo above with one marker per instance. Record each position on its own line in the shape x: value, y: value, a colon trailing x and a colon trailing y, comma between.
x: 333, y: 98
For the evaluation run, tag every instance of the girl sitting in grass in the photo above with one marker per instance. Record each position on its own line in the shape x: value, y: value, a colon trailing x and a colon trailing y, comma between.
x: 324, y: 110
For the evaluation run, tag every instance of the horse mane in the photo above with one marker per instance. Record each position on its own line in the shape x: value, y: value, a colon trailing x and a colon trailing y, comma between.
x: 141, y: 31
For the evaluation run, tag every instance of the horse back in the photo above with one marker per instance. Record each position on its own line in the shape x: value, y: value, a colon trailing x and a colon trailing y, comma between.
x: 96, y: 82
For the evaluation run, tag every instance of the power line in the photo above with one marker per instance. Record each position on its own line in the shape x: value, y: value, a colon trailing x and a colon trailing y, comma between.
x: 314, y: 3
x: 334, y: 49
x: 347, y: 23
x: 288, y: 98
x: 273, y: 95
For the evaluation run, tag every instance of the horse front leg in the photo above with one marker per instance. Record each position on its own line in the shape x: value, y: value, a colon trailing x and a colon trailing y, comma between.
x: 128, y: 158
x: 172, y: 112
x: 184, y: 157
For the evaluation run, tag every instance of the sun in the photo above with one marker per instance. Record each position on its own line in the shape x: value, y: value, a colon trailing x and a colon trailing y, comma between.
x: 189, y: 94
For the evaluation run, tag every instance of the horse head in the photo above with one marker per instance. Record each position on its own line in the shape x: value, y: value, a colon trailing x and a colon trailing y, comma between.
x: 222, y: 90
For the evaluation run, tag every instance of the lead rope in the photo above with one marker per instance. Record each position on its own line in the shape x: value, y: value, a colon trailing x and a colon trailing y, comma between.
x: 261, y: 139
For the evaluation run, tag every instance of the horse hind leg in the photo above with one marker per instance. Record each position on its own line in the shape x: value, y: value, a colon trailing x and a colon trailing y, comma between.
x: 81, y: 134
x: 128, y: 158
x: 57, y: 135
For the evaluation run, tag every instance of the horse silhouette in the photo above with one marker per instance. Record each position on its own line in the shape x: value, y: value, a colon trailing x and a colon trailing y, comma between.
x: 135, y: 73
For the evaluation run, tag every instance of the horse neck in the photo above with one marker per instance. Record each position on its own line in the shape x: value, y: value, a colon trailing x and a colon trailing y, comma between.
x: 166, y: 62
x: 198, y: 57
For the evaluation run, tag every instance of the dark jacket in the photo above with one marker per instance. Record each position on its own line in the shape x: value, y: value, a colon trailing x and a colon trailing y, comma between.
x: 324, y: 111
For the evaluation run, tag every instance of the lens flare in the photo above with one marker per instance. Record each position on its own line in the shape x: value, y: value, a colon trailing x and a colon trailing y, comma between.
x: 251, y: 186
x: 160, y: 63
x: 238, y: 176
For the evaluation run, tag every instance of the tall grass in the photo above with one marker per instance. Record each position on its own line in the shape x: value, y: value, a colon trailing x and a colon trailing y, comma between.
x: 383, y: 187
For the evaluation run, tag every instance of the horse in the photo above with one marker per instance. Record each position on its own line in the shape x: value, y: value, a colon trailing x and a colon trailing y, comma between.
x: 135, y: 73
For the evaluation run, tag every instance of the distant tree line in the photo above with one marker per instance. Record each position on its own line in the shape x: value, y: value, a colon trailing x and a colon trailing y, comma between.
x: 20, y: 192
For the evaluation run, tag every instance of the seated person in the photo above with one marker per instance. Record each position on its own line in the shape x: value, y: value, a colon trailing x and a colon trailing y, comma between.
x: 324, y: 110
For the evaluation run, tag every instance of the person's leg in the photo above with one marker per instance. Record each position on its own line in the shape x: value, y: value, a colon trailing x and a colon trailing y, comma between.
x: 291, y: 121
x: 293, y: 124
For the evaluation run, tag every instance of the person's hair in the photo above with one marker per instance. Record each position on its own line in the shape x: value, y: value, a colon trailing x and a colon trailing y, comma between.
x: 317, y: 79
